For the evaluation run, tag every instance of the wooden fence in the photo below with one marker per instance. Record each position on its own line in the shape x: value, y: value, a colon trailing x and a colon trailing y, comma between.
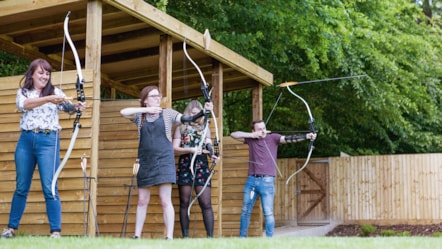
x: 389, y: 189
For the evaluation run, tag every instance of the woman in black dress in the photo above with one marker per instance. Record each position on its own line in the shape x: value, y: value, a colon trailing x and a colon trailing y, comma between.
x: 185, y: 140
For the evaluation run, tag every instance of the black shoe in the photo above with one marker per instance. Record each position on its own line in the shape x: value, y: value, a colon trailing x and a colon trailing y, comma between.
x: 185, y: 233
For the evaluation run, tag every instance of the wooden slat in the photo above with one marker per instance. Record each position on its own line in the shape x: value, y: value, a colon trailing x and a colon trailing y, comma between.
x: 386, y: 189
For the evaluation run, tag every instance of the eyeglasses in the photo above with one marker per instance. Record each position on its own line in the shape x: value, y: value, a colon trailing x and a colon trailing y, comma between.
x: 155, y: 96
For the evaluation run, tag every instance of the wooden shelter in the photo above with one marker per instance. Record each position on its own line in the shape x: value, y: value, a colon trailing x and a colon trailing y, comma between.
x: 123, y: 45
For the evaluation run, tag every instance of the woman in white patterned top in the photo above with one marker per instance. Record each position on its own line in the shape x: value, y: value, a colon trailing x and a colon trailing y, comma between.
x: 155, y: 153
x: 39, y: 142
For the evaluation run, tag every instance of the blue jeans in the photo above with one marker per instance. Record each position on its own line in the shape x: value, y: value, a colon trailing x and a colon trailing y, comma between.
x: 44, y: 150
x: 264, y: 187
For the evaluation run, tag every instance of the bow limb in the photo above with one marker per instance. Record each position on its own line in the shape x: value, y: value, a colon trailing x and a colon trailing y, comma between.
x: 198, y: 147
x: 80, y: 97
x: 201, y: 192
x: 303, y: 166
x: 74, y: 50
x: 196, y: 66
x: 65, y: 159
x: 80, y: 80
x: 312, y: 129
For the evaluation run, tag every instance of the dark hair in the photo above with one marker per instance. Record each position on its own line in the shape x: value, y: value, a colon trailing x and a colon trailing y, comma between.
x: 28, y: 83
x: 256, y: 122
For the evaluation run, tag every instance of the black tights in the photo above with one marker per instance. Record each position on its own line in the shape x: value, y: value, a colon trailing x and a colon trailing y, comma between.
x: 205, y: 204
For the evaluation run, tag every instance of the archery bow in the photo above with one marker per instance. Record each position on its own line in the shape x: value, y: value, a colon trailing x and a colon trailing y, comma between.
x: 311, y: 119
x: 312, y: 129
x: 207, y: 98
x: 80, y: 97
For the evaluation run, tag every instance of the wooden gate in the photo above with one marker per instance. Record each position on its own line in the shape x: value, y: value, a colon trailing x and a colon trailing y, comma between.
x: 313, y: 193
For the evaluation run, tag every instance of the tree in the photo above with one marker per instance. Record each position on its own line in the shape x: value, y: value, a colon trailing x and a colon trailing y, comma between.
x: 11, y: 65
x: 395, y: 109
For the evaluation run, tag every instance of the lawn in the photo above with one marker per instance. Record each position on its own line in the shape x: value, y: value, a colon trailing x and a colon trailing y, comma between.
x: 30, y: 242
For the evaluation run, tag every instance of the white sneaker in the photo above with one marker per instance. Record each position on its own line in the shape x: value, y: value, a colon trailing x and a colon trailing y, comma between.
x: 8, y: 233
x: 55, y: 235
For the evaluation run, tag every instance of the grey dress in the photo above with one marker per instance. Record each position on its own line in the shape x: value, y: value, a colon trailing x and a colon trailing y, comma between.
x: 155, y: 151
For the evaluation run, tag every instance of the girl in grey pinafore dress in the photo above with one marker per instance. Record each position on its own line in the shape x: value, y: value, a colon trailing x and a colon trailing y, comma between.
x: 155, y: 151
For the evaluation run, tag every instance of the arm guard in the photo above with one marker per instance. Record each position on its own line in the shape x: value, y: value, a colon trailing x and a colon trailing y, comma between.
x: 190, y: 119
x: 210, y: 149
x: 294, y: 138
x: 68, y: 107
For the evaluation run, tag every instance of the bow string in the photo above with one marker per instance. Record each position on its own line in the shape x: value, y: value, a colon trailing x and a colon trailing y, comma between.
x: 80, y: 97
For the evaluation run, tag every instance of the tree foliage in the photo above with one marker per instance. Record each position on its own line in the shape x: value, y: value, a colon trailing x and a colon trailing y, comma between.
x: 396, y: 108
x: 11, y: 65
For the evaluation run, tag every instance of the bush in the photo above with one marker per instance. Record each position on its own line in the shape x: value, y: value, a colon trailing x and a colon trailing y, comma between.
x: 388, y: 233
x: 367, y: 229
x: 437, y: 234
x: 403, y: 234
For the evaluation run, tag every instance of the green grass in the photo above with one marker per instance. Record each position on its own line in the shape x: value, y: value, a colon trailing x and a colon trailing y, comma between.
x: 30, y: 242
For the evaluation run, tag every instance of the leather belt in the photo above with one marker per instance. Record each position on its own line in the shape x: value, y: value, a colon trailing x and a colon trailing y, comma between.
x: 260, y: 176
x: 37, y: 130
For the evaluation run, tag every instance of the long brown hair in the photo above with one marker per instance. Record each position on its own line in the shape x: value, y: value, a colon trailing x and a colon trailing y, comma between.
x: 28, y: 83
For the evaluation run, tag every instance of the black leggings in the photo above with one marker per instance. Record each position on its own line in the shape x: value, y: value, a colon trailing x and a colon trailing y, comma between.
x: 205, y: 203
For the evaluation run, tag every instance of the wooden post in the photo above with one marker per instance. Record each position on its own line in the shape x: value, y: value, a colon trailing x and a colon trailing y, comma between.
x: 257, y: 102
x: 92, y: 58
x: 217, y: 98
x: 165, y: 70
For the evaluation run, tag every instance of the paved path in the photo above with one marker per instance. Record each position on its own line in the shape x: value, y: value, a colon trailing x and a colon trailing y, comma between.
x: 295, y: 230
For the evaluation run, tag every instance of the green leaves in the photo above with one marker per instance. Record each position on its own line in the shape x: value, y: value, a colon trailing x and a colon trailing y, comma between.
x: 396, y: 109
x: 11, y: 65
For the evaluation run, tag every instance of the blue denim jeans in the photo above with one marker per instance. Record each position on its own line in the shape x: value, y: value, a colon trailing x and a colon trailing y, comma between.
x: 264, y: 187
x: 44, y: 150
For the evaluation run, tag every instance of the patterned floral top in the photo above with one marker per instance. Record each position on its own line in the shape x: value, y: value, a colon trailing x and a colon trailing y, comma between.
x: 40, y: 117
x: 190, y: 136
